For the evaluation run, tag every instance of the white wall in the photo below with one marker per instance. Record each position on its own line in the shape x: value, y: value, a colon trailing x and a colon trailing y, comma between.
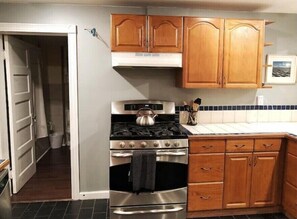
x: 99, y: 84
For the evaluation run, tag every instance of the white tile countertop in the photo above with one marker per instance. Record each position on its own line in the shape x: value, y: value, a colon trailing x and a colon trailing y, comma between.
x: 243, y: 128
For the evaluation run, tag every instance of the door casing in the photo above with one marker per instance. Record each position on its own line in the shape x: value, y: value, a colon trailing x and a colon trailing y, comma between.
x: 50, y: 30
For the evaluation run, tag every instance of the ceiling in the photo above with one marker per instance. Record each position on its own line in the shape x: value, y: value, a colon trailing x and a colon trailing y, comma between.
x: 274, y: 6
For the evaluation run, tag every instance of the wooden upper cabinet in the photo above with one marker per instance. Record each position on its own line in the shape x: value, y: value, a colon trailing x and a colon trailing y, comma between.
x: 203, y: 50
x: 129, y: 33
x: 243, y: 46
x: 165, y: 33
x: 264, y: 179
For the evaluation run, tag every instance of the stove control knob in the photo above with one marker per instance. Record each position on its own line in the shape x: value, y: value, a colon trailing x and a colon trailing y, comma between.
x: 156, y: 144
x: 122, y: 144
x: 167, y: 143
x: 143, y: 144
x: 176, y: 144
x: 131, y: 144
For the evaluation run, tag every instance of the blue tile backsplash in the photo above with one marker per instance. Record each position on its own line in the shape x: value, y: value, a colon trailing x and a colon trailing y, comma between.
x: 242, y: 107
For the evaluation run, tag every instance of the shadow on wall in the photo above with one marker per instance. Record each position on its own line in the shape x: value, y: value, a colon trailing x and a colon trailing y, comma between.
x: 159, y: 84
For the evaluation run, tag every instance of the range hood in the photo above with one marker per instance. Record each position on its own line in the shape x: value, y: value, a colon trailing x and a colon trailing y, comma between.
x: 132, y: 59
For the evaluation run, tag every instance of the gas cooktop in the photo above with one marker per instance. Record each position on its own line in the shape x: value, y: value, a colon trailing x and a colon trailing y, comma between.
x: 161, y: 130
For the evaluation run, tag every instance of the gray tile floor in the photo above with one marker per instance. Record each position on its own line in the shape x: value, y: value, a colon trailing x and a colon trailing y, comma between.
x: 90, y: 209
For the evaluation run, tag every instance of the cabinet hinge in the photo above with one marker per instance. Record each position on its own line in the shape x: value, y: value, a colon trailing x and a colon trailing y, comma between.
x: 10, y: 174
x: 4, y: 55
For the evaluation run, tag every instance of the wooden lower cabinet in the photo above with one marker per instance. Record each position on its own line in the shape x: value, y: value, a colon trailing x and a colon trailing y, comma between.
x: 205, y: 196
x: 289, y: 201
x: 237, y: 182
x: 265, y: 177
x: 251, y: 180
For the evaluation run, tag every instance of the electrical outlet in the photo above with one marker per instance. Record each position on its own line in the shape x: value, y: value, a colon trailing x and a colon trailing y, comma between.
x: 260, y: 100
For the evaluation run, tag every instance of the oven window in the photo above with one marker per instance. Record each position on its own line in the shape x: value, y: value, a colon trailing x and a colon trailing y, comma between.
x: 168, y: 176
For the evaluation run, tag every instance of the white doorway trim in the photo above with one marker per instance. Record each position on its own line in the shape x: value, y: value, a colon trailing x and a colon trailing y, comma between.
x: 71, y: 32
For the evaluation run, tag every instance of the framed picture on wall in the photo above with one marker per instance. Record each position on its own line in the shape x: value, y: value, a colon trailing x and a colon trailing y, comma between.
x: 280, y: 69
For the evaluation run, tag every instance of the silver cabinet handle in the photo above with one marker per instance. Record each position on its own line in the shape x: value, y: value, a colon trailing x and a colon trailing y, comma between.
x: 155, y: 211
x: 239, y: 145
x: 205, y: 197
x: 267, y: 145
x: 207, y: 146
x: 206, y: 168
x: 125, y: 155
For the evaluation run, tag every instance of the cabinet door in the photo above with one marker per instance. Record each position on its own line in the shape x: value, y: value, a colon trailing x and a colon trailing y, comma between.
x: 165, y: 33
x: 128, y: 33
x: 203, y: 50
x: 237, y: 182
x: 243, y: 46
x: 264, y: 179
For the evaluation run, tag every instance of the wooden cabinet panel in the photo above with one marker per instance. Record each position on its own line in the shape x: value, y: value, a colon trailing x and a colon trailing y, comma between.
x: 237, y: 181
x: 268, y: 144
x: 291, y: 165
x: 290, y: 199
x: 206, y: 167
x: 292, y: 147
x: 165, y: 33
x: 203, y: 50
x: 207, y: 146
x: 205, y: 196
x: 264, y: 179
x: 243, y: 45
x: 128, y: 33
x: 245, y: 145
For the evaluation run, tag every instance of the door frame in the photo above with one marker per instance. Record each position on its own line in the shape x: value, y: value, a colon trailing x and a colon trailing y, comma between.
x: 70, y: 31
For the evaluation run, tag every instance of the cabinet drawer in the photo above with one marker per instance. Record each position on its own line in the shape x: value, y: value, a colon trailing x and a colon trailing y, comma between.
x: 268, y: 144
x: 291, y: 164
x: 207, y: 146
x: 240, y: 145
x: 292, y: 147
x: 290, y: 199
x: 206, y: 167
x: 205, y: 196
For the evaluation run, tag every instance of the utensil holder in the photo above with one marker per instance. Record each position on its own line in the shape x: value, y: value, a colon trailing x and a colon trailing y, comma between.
x: 192, y: 118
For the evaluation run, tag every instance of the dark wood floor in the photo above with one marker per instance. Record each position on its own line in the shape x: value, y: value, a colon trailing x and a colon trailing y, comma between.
x: 52, y: 180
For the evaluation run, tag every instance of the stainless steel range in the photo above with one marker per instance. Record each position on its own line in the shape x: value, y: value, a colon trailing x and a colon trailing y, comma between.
x: 166, y: 196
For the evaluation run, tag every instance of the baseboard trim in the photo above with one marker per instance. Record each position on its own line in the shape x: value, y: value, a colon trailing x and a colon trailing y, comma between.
x: 103, y: 194
x: 43, y: 155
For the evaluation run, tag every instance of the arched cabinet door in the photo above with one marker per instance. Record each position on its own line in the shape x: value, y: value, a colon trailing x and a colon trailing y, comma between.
x: 203, y: 52
x: 165, y: 33
x: 243, y: 47
x: 128, y: 33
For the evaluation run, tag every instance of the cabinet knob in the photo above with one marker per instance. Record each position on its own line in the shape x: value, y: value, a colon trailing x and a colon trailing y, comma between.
x: 267, y: 145
x: 239, y: 145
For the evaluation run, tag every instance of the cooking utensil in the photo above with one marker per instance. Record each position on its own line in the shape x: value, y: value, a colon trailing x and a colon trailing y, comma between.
x: 145, y: 117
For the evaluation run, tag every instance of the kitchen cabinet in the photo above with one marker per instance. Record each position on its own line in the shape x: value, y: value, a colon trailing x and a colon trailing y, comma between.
x: 222, y: 53
x: 140, y: 33
x: 206, y: 174
x: 251, y: 179
x: 290, y: 180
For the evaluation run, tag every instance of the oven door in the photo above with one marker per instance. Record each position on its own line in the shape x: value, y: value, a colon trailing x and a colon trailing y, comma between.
x: 170, y: 185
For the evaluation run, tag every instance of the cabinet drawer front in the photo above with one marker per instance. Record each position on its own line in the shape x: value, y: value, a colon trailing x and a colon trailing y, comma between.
x: 290, y: 199
x: 206, y: 167
x: 291, y: 164
x: 207, y: 146
x: 240, y: 145
x: 292, y: 148
x: 205, y: 196
x: 268, y: 144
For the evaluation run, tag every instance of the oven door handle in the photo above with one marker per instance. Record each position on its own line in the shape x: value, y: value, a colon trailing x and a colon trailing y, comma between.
x: 154, y: 211
x: 161, y: 153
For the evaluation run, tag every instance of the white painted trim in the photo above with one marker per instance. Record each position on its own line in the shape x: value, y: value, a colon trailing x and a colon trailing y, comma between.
x: 70, y: 31
x: 38, y: 29
x: 103, y: 194
x: 43, y: 155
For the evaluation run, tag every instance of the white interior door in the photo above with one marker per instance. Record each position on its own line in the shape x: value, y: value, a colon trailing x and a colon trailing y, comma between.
x: 19, y: 89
